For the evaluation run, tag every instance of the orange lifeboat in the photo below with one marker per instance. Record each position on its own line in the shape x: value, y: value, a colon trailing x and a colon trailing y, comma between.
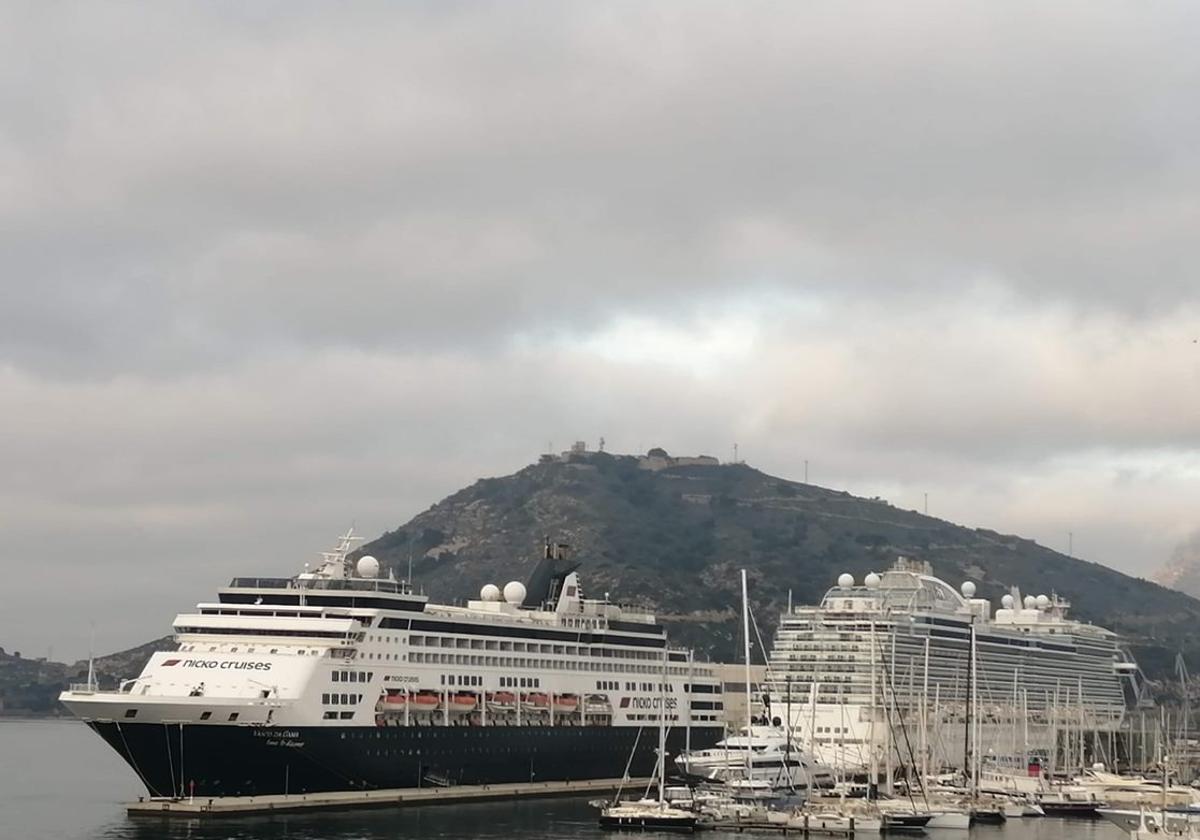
x: 463, y: 702
x: 502, y: 700
x: 425, y: 701
x: 537, y: 701
x: 400, y: 698
x: 566, y: 704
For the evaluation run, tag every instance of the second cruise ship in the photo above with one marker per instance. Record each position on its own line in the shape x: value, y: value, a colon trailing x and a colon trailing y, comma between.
x: 902, y: 667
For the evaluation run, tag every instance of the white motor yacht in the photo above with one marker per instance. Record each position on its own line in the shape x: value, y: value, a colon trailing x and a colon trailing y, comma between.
x: 757, y: 753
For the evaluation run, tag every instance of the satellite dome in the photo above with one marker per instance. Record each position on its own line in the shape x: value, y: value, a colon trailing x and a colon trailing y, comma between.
x: 367, y: 566
x: 514, y: 592
x: 490, y: 592
x: 872, y: 581
x: 967, y: 589
x: 1030, y: 602
x: 845, y: 580
x: 1043, y: 602
x: 1007, y: 602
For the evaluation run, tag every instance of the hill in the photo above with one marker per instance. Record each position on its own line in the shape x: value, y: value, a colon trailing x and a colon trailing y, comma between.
x: 672, y: 534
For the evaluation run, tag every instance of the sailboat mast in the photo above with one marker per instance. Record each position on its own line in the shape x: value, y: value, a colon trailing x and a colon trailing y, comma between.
x: 967, y: 758
x: 873, y: 762
x: 975, y: 713
x: 662, y: 732
x: 925, y: 718
x: 749, y: 696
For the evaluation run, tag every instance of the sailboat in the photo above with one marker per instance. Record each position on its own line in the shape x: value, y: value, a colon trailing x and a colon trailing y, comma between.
x: 651, y: 813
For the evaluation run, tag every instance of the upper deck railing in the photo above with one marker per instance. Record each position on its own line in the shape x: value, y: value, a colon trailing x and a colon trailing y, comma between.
x: 390, y: 587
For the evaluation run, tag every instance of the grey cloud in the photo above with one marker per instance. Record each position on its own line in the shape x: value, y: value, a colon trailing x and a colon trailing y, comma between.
x: 268, y: 268
x: 234, y: 181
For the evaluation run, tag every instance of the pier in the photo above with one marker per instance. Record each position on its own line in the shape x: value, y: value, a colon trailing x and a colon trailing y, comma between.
x: 218, y: 806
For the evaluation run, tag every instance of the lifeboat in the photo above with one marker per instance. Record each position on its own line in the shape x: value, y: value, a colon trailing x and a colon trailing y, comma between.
x: 398, y: 699
x: 463, y: 702
x: 598, y: 704
x: 566, y: 704
x: 502, y: 700
x: 536, y: 701
x: 426, y: 701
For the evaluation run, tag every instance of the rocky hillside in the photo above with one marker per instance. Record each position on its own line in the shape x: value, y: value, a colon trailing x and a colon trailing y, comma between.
x: 672, y: 534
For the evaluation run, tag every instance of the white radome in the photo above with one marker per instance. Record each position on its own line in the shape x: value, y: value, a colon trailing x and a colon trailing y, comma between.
x: 367, y: 566
x: 1007, y: 602
x: 1030, y: 602
x: 845, y: 580
x: 871, y: 581
x: 968, y: 589
x: 514, y: 592
x: 1043, y: 601
x: 490, y: 592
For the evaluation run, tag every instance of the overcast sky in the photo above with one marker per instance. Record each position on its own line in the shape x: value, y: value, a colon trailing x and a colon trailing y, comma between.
x: 271, y: 268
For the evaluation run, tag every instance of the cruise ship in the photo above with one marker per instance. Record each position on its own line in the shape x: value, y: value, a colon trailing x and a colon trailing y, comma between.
x: 880, y: 672
x: 339, y: 679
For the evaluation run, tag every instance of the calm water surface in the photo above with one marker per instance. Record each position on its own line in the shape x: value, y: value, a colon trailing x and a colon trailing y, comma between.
x: 58, y: 781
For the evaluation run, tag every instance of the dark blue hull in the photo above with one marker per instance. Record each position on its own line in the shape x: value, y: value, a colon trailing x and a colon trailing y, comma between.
x: 218, y: 760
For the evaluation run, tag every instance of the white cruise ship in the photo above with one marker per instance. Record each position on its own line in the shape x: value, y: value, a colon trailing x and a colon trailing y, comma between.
x: 885, y: 662
x: 341, y: 680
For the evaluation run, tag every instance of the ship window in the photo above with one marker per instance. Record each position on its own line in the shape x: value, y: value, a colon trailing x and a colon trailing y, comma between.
x: 205, y: 715
x: 330, y: 716
x: 325, y: 699
x: 233, y: 716
x: 347, y: 715
x: 345, y: 699
x: 131, y: 713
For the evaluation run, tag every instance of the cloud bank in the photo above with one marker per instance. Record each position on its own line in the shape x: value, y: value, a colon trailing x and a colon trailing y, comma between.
x: 269, y: 270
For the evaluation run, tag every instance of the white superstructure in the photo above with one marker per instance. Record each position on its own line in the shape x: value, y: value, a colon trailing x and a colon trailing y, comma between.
x: 340, y: 645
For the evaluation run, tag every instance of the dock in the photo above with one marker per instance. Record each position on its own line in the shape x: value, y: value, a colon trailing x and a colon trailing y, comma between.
x: 806, y: 828
x: 217, y: 806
